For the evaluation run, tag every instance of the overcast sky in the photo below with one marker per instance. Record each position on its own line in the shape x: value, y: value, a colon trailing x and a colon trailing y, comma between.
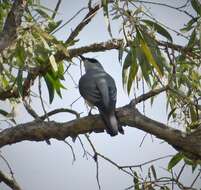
x: 38, y: 166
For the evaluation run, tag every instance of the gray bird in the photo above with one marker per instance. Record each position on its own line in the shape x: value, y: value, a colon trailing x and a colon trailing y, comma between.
x: 98, y: 88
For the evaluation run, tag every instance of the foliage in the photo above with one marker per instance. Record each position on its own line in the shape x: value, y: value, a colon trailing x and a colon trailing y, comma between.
x: 162, y: 64
x: 148, y: 51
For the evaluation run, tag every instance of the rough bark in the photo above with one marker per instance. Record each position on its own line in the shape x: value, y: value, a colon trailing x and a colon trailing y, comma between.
x: 13, y: 21
x: 127, y: 115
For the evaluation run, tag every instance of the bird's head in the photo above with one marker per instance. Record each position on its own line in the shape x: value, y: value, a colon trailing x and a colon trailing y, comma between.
x: 91, y: 63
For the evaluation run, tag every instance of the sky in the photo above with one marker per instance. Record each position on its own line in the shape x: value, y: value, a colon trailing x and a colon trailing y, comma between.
x: 37, y: 165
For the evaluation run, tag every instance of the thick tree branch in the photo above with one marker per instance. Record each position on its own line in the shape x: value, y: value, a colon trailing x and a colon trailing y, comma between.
x: 9, y: 181
x: 13, y: 21
x: 127, y: 115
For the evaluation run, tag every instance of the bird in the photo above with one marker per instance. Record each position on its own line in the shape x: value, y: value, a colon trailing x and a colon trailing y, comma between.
x: 98, y: 88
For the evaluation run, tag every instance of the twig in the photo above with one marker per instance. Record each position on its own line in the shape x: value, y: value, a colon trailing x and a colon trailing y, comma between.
x: 73, y: 153
x: 182, y: 169
x: 68, y: 21
x: 195, y: 179
x: 84, y: 149
x: 95, y: 157
x: 43, y: 106
x: 30, y: 110
x: 41, y: 99
x: 92, y: 12
x: 8, y: 165
x: 148, y: 95
x: 143, y: 139
x: 169, y: 6
x: 59, y: 110
x: 115, y: 164
x: 145, y: 163
x: 9, y: 182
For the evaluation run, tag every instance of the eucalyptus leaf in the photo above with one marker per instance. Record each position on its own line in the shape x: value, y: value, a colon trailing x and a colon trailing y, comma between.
x: 161, y: 30
x: 20, y: 82
x: 148, y: 54
x: 196, y: 6
x: 50, y: 86
x: 175, y: 160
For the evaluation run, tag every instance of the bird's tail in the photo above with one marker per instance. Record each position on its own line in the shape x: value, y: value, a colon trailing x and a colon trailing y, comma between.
x: 111, y: 123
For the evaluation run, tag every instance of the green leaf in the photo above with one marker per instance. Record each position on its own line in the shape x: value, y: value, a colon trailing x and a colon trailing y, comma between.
x: 189, y: 25
x: 136, y: 181
x: 20, y: 55
x: 125, y: 68
x: 144, y: 65
x: 20, y: 82
x: 193, y: 113
x: 146, y: 50
x: 106, y: 16
x: 196, y: 6
x: 156, y: 52
x: 192, y: 39
x: 43, y: 33
x: 53, y: 25
x: 120, y: 54
x: 153, y: 172
x: 7, y: 114
x: 50, y: 86
x: 175, y: 160
x: 43, y: 13
x: 4, y: 113
x: 171, y: 113
x: 61, y: 70
x: 63, y: 49
x: 53, y: 63
x: 133, y: 70
x: 162, y: 31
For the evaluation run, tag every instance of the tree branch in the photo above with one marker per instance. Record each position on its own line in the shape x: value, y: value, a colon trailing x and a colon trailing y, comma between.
x: 74, y: 52
x: 13, y: 21
x: 127, y: 115
x: 9, y: 181
x: 92, y: 12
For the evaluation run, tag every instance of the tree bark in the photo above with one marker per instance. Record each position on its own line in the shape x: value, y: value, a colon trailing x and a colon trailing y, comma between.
x: 127, y: 115
x: 13, y: 21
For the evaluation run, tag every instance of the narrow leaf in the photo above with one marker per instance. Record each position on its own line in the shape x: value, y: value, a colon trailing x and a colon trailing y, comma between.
x: 20, y: 82
x: 153, y: 172
x: 4, y: 113
x: 106, y: 16
x: 53, y: 25
x: 53, y: 63
x: 196, y: 6
x: 162, y: 31
x: 42, y: 13
x: 171, y: 113
x: 148, y: 54
x: 126, y: 65
x: 50, y: 86
x: 136, y: 181
x: 193, y: 113
x: 133, y: 70
x: 192, y: 39
x: 189, y: 25
x: 175, y: 160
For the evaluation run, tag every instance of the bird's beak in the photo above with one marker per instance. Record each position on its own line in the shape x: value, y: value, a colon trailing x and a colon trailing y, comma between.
x: 82, y: 57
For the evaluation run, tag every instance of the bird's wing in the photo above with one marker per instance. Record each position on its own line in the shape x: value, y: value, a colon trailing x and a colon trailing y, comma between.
x: 89, y: 91
x: 103, y: 88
